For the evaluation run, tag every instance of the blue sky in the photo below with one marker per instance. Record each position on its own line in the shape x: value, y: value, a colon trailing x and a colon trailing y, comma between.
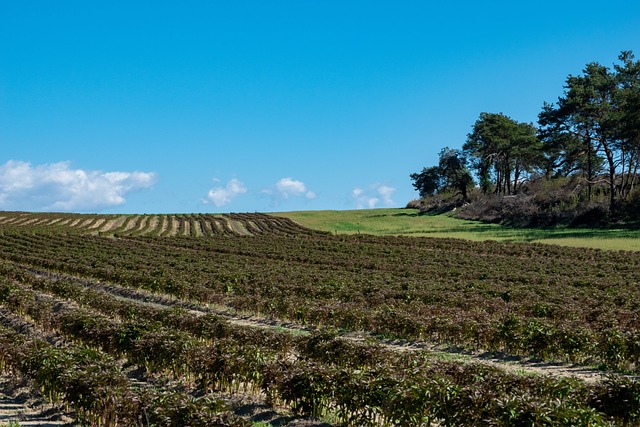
x: 242, y: 106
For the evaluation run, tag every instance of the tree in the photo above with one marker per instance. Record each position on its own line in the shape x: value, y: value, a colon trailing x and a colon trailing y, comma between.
x: 566, y: 153
x: 427, y: 182
x: 454, y: 173
x: 598, y: 112
x: 451, y: 174
x: 502, y: 150
x: 626, y: 120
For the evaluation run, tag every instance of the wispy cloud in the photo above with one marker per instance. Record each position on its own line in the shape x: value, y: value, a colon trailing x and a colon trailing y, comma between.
x: 222, y: 196
x: 370, y: 198
x: 288, y: 188
x: 58, y: 187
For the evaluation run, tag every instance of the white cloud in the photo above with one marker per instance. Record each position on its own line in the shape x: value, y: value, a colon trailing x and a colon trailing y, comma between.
x: 386, y: 193
x: 58, y: 187
x: 222, y: 196
x: 288, y: 187
x: 369, y: 198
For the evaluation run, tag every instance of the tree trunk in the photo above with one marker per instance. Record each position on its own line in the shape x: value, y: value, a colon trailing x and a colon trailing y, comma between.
x: 589, y: 169
x: 516, y: 176
x: 612, y: 178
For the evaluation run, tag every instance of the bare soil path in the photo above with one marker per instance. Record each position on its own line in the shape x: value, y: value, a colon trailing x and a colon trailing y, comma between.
x: 153, y: 224
x: 18, y: 404
x: 113, y: 223
x: 175, y: 224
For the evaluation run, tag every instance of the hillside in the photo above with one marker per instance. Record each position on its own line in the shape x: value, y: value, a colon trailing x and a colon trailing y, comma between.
x: 410, y: 222
x: 195, y: 225
x: 381, y: 222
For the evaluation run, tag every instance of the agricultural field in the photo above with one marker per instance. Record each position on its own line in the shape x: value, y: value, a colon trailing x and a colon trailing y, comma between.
x: 194, y: 225
x: 250, y: 319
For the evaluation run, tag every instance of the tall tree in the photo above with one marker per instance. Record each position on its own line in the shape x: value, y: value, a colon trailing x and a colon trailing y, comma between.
x: 501, y: 151
x: 596, y: 111
x: 626, y: 121
x: 567, y: 152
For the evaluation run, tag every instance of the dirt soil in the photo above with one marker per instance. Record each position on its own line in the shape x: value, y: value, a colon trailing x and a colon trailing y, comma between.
x: 18, y: 403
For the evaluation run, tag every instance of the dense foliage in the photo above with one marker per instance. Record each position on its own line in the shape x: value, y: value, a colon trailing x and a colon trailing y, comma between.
x: 587, y: 143
x: 82, y: 314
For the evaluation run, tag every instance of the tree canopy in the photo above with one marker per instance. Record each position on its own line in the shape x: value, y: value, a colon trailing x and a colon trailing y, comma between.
x: 590, y: 134
x: 451, y: 174
x: 594, y: 127
x: 502, y: 150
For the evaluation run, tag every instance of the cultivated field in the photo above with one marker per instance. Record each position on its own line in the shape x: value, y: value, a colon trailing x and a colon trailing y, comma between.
x: 194, y: 225
x: 201, y: 320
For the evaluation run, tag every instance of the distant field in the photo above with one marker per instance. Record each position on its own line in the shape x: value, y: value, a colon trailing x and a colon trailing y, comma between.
x: 408, y: 222
x: 165, y: 225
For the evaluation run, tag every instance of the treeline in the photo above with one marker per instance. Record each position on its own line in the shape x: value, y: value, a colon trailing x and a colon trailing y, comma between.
x: 579, y: 164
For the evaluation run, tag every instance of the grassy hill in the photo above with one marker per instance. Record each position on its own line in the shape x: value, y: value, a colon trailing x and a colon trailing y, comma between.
x: 410, y: 223
x: 389, y: 222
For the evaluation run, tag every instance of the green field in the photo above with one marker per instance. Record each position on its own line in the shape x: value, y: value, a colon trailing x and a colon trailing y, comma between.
x: 409, y: 222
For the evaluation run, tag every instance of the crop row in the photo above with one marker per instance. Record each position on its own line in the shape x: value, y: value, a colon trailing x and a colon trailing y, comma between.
x: 188, y: 225
x: 359, y: 384
x: 93, y: 383
x: 576, y: 305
